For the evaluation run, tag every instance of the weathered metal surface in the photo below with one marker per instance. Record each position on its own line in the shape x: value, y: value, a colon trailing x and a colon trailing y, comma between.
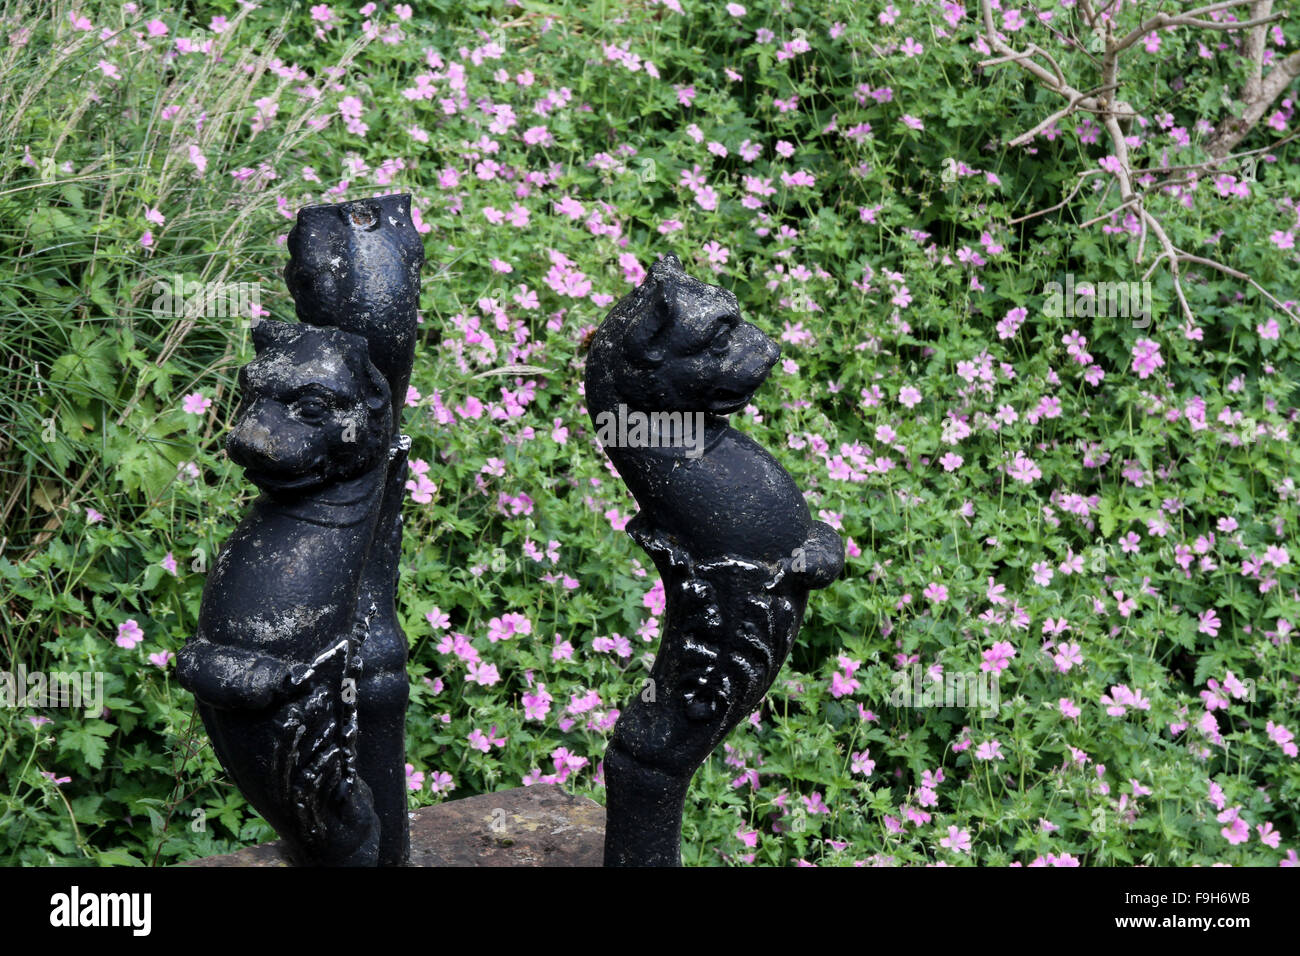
x: 727, y: 527
x: 298, y: 662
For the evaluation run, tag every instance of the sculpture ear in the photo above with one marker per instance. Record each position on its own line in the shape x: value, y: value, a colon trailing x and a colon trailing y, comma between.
x: 379, y: 394
x: 643, y: 344
x: 668, y: 262
x: 268, y: 333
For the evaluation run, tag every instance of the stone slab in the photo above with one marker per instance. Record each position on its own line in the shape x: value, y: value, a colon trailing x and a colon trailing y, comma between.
x: 528, y: 826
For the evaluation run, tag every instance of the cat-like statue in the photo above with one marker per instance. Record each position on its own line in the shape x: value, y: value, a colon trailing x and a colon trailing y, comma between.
x: 299, y: 661
x: 356, y: 266
x: 727, y: 528
x: 275, y: 661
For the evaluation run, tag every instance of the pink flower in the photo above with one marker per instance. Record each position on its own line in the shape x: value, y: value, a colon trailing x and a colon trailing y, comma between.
x: 537, y: 704
x: 843, y: 685
x: 633, y: 271
x: 1268, y: 836
x: 566, y: 763
x: 198, y: 159
x: 1024, y: 469
x: 196, y: 403
x: 161, y: 659
x: 414, y: 778
x: 994, y: 592
x: 507, y: 626
x: 1209, y: 623
x: 421, y: 488
x: 129, y: 634
x: 957, y: 840
x: 1285, y: 738
x: 1121, y: 697
x: 997, y: 657
x: 989, y: 750
x: 1067, y: 656
x: 1237, y: 830
x: 815, y: 804
x: 717, y: 253
x: 706, y: 197
x: 1146, y: 357
x: 935, y: 592
x: 654, y: 599
x: 485, y: 675
x: 862, y: 763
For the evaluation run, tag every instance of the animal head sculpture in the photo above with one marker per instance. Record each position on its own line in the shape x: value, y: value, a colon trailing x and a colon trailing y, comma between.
x: 356, y: 266
x: 314, y: 410
x: 678, y: 344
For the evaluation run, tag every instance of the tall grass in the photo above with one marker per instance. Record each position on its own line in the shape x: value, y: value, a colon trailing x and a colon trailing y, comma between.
x: 92, y: 372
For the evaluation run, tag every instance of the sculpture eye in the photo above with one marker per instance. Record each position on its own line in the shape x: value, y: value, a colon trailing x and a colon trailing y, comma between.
x: 722, y: 341
x: 311, y: 409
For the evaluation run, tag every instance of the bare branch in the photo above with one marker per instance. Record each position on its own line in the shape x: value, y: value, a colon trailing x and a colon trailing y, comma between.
x: 1162, y: 20
x: 1112, y: 111
x: 1109, y: 212
x: 1207, y: 163
x: 1060, y: 114
x: 1171, y: 254
x: 1236, y: 274
x: 1253, y: 50
x: 1064, y: 202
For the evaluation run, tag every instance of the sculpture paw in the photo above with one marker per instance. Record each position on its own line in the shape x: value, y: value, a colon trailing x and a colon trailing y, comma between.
x: 231, y: 678
x: 820, y: 559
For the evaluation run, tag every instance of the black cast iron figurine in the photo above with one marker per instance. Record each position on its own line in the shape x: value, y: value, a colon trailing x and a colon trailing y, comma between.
x: 299, y: 664
x: 726, y: 526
